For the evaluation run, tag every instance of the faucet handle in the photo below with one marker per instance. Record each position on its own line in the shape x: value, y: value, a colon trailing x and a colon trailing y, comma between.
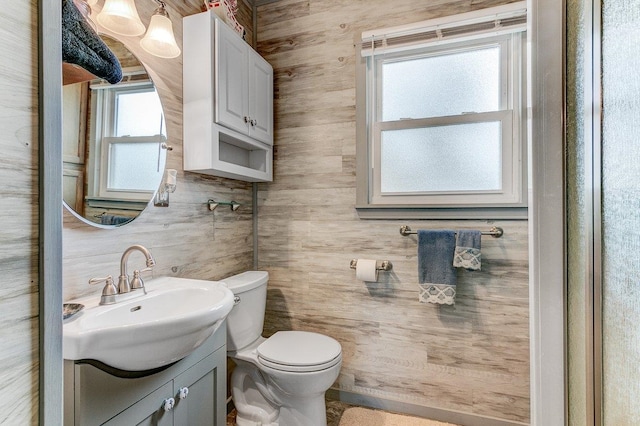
x: 108, y: 292
x: 136, y: 281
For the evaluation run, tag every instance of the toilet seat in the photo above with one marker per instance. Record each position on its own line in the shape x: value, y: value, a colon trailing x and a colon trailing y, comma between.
x: 299, y: 351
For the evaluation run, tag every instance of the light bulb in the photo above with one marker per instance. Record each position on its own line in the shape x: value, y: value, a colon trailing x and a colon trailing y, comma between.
x: 159, y: 39
x: 121, y: 17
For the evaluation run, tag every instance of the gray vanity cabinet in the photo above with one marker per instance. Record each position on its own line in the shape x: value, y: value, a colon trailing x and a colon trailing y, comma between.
x: 197, y: 408
x: 94, y: 397
x: 147, y: 411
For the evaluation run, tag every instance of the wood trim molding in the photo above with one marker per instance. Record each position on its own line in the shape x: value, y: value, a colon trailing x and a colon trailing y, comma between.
x: 50, y: 211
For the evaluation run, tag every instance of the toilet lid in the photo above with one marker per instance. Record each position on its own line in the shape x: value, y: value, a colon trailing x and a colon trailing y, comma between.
x: 299, y: 351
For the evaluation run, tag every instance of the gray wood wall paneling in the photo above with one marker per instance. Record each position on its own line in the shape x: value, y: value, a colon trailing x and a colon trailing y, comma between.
x: 186, y: 239
x: 19, y: 258
x: 31, y: 294
x: 471, y: 358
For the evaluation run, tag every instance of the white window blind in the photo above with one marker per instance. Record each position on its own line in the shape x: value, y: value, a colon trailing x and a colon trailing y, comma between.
x: 504, y: 19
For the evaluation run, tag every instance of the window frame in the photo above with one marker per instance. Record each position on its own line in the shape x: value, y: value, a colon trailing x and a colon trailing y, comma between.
x: 511, y: 203
x: 105, y: 191
x: 103, y: 125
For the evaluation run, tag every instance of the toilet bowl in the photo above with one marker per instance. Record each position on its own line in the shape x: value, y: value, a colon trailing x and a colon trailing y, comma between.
x: 280, y: 380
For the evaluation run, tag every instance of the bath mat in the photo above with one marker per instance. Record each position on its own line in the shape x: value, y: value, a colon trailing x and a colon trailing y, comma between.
x: 359, y: 416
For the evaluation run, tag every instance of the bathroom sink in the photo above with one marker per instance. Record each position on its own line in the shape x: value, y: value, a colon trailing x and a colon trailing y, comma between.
x: 148, y: 331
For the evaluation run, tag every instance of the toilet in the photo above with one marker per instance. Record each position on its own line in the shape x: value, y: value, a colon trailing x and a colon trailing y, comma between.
x: 280, y: 380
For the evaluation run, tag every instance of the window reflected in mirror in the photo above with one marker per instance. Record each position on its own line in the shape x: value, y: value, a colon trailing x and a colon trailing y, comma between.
x: 114, y: 144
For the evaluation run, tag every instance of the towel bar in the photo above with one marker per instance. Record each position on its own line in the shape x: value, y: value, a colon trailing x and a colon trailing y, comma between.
x: 495, y: 232
x: 384, y: 265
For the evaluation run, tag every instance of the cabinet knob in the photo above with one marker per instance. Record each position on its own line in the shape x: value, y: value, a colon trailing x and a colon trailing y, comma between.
x: 246, y: 119
x: 168, y: 404
x: 254, y: 123
x: 183, y: 392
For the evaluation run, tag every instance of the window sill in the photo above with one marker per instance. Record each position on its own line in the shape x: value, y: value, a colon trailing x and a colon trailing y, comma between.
x: 110, y: 203
x: 410, y: 212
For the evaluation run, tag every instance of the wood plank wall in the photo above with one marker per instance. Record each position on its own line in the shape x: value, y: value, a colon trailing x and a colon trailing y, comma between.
x: 186, y: 239
x: 473, y: 357
x: 19, y: 213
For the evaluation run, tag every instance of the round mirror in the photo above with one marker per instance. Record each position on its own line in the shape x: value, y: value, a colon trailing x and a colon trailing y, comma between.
x: 114, y: 144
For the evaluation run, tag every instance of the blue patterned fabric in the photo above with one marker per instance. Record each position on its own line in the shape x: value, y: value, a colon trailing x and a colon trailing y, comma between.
x: 436, y: 274
x: 467, y: 254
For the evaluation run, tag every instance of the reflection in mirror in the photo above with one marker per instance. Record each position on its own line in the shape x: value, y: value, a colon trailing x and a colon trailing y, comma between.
x: 114, y: 141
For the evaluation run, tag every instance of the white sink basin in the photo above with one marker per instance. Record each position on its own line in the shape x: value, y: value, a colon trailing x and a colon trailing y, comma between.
x: 148, y: 331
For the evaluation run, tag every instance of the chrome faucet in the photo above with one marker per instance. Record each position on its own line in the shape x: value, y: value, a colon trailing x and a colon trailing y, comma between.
x: 123, y: 279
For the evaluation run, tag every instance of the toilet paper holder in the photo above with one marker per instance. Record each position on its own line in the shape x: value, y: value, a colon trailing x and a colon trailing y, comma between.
x: 381, y: 265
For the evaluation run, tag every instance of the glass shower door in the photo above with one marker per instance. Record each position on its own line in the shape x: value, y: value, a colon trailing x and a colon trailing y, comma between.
x: 620, y: 213
x: 603, y: 212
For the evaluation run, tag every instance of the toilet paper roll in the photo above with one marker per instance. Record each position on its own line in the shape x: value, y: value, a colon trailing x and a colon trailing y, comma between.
x: 366, y: 270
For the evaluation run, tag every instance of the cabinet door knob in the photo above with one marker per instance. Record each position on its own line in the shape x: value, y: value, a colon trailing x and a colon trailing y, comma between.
x: 183, y: 392
x: 168, y: 404
x: 254, y: 123
x: 246, y: 119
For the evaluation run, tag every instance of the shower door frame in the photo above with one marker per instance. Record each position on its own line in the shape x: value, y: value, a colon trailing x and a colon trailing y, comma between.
x: 547, y: 217
x: 593, y: 189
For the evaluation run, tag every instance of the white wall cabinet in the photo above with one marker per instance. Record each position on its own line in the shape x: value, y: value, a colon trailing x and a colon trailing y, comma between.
x: 94, y: 397
x: 228, y: 102
x: 245, y: 86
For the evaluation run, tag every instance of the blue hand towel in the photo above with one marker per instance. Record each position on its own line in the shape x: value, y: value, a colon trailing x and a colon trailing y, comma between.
x: 436, y: 274
x: 467, y: 254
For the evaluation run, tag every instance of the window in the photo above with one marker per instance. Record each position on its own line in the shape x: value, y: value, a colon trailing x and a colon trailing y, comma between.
x: 443, y: 124
x: 128, y: 156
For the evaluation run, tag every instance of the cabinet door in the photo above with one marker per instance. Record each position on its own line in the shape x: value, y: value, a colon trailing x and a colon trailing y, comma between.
x: 260, y: 98
x: 204, y: 405
x: 231, y: 108
x: 148, y: 411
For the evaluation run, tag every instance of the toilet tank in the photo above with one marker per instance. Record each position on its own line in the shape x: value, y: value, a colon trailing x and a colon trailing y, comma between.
x: 245, y: 322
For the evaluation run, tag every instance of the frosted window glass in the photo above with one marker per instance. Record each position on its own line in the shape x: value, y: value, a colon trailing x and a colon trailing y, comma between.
x: 449, y: 84
x: 129, y: 121
x: 463, y: 157
x: 134, y: 163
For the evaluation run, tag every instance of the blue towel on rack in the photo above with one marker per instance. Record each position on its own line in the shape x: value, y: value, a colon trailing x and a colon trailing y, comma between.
x: 436, y: 274
x: 467, y: 253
